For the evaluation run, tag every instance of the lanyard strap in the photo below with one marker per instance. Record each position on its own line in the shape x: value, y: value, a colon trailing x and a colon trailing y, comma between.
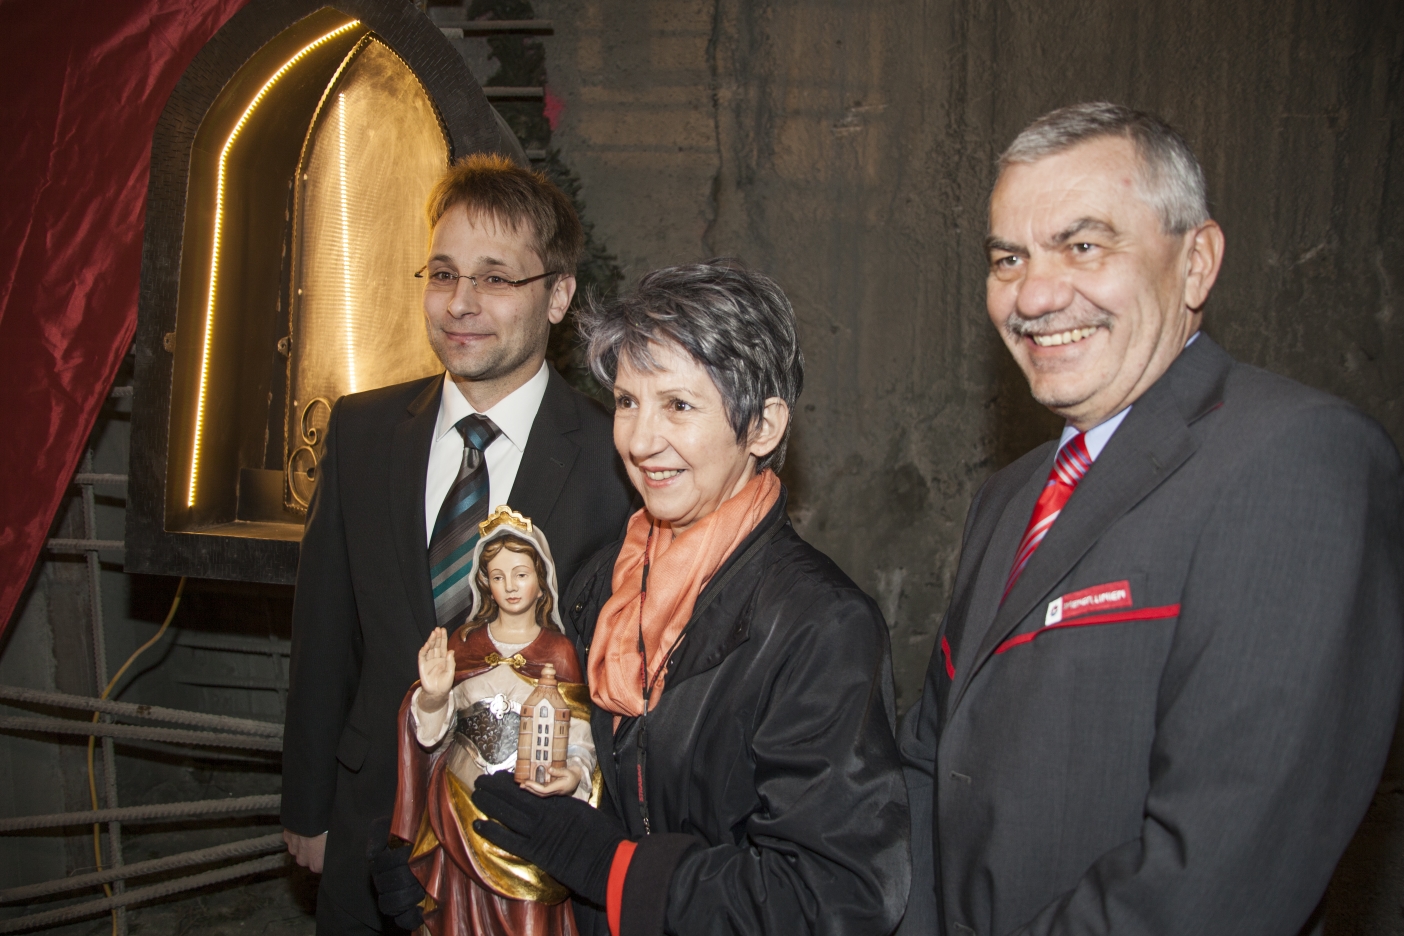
x: 645, y: 684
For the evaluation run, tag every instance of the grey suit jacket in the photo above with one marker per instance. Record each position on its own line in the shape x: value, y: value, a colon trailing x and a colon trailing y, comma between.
x: 1176, y: 719
x: 363, y: 606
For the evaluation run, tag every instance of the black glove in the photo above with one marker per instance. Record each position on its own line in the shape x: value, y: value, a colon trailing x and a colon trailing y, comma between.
x: 400, y: 891
x: 563, y: 836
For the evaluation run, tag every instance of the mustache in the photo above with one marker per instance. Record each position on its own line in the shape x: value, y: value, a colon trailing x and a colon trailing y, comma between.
x: 1051, y: 323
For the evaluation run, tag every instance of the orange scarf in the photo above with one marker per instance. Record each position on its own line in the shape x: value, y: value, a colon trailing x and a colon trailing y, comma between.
x: 680, y: 568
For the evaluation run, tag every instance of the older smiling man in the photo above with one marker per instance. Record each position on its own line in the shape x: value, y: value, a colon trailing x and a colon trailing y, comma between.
x: 1166, y: 683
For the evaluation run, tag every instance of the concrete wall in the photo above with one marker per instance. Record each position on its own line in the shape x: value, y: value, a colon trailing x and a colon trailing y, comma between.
x: 846, y: 148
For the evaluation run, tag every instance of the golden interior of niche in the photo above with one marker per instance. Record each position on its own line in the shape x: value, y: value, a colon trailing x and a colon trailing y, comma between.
x: 222, y: 171
x: 373, y: 152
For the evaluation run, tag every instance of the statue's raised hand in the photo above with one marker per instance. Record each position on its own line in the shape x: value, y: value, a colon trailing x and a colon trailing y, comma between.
x: 435, y: 671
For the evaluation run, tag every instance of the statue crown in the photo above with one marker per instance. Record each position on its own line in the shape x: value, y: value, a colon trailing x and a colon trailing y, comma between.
x: 504, y: 516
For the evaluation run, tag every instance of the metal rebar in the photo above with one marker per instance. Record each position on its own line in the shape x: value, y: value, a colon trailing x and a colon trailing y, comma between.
x: 85, y: 546
x: 514, y: 94
x: 97, y: 477
x: 114, y: 827
x: 280, y: 674
x: 253, y: 846
x: 109, y: 753
x: 248, y: 726
x: 496, y: 27
x: 233, y: 642
x: 266, y: 805
x: 278, y: 661
x: 233, y: 682
x: 108, y: 730
x: 141, y: 895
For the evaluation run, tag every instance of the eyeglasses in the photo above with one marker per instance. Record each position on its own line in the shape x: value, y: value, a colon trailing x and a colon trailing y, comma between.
x: 490, y: 284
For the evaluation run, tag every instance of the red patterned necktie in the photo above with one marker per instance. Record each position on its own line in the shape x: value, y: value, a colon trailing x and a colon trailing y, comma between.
x: 1068, y: 468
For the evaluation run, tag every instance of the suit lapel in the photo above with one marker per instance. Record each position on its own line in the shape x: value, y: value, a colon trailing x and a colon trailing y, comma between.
x: 966, y: 631
x: 1139, y: 457
x: 1148, y: 448
x: 409, y: 466
x: 548, y: 456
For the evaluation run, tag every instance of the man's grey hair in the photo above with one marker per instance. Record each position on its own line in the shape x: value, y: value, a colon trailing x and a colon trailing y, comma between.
x: 1171, y: 180
x: 734, y: 322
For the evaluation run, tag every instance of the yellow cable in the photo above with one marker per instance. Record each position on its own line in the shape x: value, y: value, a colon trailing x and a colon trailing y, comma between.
x: 92, y: 739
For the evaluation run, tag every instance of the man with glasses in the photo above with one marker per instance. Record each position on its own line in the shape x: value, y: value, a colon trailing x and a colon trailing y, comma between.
x: 409, y: 472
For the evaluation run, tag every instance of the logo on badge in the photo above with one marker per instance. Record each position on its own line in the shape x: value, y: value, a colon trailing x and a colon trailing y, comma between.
x: 1087, y: 600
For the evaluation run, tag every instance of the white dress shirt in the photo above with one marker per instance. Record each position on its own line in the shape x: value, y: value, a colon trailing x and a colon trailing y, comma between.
x: 1099, y: 435
x: 513, y: 414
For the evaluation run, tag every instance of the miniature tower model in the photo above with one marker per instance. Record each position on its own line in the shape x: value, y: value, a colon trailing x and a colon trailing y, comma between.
x: 545, y: 730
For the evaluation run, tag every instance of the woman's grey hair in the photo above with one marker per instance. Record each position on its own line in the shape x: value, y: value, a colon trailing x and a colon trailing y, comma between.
x: 1171, y: 180
x: 734, y: 322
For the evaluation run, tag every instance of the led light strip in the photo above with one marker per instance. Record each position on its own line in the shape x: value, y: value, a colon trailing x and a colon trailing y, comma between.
x: 214, y: 254
x: 345, y: 243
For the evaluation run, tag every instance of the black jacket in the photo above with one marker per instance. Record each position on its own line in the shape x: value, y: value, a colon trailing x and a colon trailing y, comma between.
x: 363, y: 606
x: 774, y: 789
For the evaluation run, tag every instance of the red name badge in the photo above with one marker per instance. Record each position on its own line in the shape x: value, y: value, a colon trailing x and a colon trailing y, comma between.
x: 1096, y: 598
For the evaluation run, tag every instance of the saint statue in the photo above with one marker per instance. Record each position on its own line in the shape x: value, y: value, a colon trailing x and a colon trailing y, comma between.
x: 463, y: 719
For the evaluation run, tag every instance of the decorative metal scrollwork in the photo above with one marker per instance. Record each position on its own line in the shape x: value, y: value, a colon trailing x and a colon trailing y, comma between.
x: 300, y: 473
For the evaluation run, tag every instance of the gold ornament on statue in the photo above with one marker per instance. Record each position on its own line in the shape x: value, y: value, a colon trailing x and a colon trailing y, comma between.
x: 504, y: 516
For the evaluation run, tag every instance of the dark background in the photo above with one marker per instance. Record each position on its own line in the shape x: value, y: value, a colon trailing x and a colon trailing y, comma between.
x: 847, y: 149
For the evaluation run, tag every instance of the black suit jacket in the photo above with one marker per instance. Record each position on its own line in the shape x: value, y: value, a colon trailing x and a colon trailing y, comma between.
x: 363, y: 606
x: 1186, y: 742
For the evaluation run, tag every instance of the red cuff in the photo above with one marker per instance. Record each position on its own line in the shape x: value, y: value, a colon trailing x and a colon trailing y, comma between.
x: 614, y: 891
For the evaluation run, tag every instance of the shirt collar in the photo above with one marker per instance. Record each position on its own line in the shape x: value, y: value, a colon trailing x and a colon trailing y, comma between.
x: 1099, y: 435
x: 513, y: 414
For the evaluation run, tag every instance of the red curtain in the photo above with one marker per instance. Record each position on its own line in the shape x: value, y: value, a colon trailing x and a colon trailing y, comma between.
x: 81, y: 88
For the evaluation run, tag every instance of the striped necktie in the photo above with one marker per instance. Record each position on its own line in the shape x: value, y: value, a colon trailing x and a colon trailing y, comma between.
x: 1068, y: 468
x: 456, y: 529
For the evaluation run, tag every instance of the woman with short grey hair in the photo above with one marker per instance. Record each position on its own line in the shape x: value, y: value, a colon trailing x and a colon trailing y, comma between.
x: 738, y: 325
x: 742, y: 687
